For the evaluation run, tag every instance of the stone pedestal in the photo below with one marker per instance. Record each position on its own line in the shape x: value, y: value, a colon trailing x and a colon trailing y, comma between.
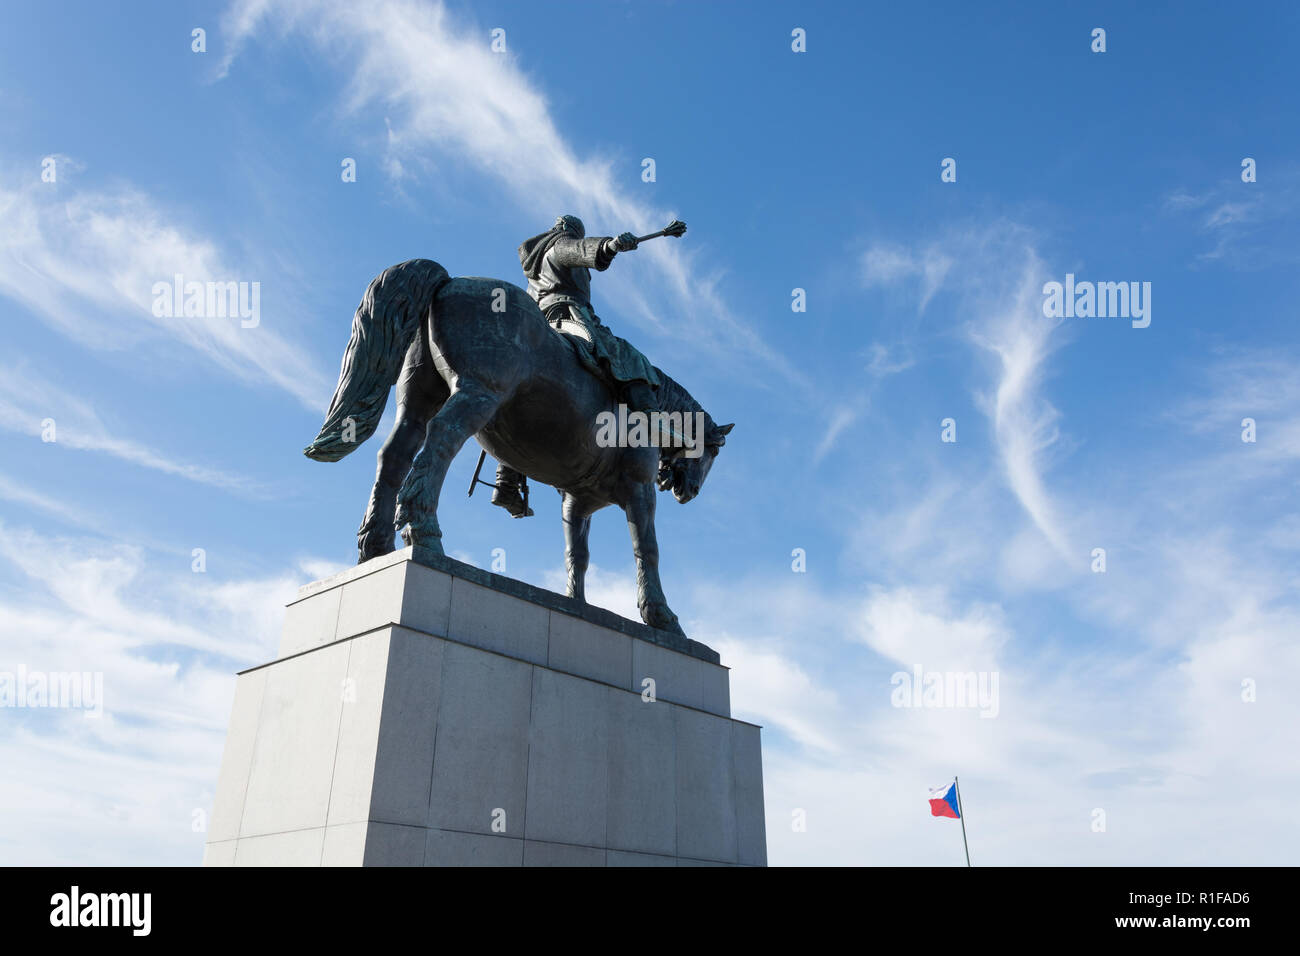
x: 423, y: 712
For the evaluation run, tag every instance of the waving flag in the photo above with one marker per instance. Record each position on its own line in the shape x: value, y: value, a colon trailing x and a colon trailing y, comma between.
x: 943, y: 802
x: 946, y: 802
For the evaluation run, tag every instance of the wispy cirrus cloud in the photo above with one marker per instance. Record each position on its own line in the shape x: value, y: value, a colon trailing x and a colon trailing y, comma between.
x: 86, y: 262
x: 20, y: 494
x: 1249, y: 226
x: 1256, y: 384
x: 1024, y: 422
x: 27, y: 400
x: 996, y: 275
x: 884, y: 362
x: 104, y: 582
x: 892, y: 263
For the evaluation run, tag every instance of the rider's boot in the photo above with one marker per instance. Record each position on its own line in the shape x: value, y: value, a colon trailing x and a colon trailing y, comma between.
x: 509, y: 492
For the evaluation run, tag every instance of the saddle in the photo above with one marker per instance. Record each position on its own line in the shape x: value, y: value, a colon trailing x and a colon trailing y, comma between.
x: 587, y: 359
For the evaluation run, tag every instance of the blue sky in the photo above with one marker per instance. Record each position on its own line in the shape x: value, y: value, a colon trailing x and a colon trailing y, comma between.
x: 818, y: 170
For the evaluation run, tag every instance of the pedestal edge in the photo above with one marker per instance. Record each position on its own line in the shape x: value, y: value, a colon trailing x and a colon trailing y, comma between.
x: 541, y: 597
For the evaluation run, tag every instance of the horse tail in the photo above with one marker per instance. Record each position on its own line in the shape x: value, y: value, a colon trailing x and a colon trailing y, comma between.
x: 385, y: 323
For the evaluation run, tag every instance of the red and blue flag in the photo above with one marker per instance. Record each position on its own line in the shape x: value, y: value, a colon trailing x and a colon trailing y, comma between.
x: 943, y: 802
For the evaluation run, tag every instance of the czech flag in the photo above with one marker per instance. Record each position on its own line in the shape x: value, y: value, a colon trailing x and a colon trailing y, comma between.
x: 943, y: 802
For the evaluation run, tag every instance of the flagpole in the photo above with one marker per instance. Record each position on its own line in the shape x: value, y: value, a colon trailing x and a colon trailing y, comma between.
x: 962, y: 812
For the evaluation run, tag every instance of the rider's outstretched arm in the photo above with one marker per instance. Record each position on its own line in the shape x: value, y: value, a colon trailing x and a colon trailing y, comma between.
x: 594, y: 252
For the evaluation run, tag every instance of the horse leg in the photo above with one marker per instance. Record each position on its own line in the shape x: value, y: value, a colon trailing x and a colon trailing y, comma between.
x: 420, y: 393
x: 375, y: 536
x: 576, y: 515
x: 465, y: 413
x: 639, y: 506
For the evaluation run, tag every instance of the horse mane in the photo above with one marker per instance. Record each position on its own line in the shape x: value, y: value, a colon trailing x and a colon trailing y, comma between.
x: 673, y: 397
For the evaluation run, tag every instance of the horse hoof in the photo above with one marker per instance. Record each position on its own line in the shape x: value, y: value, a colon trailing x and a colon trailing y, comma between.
x: 372, y: 546
x: 422, y: 539
x: 661, y: 617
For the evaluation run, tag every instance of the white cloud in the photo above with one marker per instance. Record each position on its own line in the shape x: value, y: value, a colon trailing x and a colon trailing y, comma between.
x: 124, y: 786
x: 885, y: 361
x: 890, y: 264
x: 842, y: 417
x: 1260, y: 384
x: 917, y: 627
x: 86, y: 262
x: 1024, y: 423
x: 1249, y: 225
x: 27, y: 400
x: 1151, y: 738
x: 997, y: 275
x: 777, y: 692
x: 92, y: 580
x: 11, y: 490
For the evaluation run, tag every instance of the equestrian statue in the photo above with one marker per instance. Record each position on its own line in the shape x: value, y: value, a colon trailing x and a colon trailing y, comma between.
x: 532, y: 375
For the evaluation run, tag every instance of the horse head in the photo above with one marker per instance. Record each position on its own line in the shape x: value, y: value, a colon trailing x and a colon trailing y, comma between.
x: 683, y: 475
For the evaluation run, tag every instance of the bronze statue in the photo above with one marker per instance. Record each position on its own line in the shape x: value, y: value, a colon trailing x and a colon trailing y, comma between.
x: 477, y: 357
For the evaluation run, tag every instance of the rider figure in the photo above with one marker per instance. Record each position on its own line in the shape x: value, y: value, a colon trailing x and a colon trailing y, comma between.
x: 558, y: 265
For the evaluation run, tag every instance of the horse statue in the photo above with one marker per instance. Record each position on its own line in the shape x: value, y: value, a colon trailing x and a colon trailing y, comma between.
x: 475, y: 357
